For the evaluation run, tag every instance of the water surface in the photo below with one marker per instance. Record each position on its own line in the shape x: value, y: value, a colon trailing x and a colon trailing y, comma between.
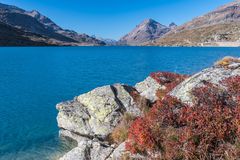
x: 34, y: 80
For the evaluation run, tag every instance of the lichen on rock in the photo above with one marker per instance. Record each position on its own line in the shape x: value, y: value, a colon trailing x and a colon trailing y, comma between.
x: 215, y: 75
x: 92, y: 118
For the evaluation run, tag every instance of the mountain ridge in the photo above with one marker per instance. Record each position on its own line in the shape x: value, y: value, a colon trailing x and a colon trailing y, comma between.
x: 148, y: 29
x: 216, y: 28
x: 35, y: 22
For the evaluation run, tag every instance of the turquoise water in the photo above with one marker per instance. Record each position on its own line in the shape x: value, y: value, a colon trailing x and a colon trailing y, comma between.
x: 34, y: 80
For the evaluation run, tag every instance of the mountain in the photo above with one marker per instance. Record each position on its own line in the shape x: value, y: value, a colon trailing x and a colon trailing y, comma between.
x: 172, y: 25
x: 35, y: 22
x: 107, y: 41
x: 148, y: 30
x: 10, y: 36
x: 220, y: 27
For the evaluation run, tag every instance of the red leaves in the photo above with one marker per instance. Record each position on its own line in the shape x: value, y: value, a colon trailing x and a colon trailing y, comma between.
x: 140, y: 137
x: 210, y: 95
x: 145, y: 133
x: 209, y: 129
x: 233, y: 87
x: 169, y: 80
x: 167, y: 77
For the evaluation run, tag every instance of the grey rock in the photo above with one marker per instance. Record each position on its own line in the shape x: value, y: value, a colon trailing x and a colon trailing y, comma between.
x: 91, y: 117
x: 118, y: 152
x: 68, y: 134
x: 79, y: 153
x: 88, y: 150
x: 100, y: 152
x: 97, y: 112
x: 148, y: 88
x: 213, y: 75
x: 73, y: 116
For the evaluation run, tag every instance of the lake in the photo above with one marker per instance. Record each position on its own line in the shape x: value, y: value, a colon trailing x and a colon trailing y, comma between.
x: 34, y: 80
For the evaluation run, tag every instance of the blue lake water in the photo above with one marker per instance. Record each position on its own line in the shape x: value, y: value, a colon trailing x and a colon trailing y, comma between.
x: 34, y: 80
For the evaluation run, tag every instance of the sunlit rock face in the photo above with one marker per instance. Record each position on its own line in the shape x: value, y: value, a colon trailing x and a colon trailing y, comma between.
x: 228, y: 67
x: 97, y: 112
x: 148, y: 30
x: 90, y: 118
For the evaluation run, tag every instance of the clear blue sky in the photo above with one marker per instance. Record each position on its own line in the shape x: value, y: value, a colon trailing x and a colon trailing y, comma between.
x: 114, y: 18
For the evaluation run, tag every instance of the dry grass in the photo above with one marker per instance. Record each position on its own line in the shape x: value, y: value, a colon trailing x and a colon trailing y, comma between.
x: 142, y: 103
x: 206, y: 36
x: 126, y: 156
x: 120, y: 133
x: 226, y: 61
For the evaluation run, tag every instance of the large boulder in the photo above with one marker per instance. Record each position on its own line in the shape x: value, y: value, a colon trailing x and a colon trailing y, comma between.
x: 118, y: 152
x: 89, y: 150
x: 90, y: 118
x: 148, y: 88
x: 97, y: 112
x: 225, y: 68
x: 158, y: 84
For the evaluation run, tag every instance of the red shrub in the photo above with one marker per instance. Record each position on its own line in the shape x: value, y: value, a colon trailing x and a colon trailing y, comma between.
x: 140, y: 138
x: 233, y: 87
x: 145, y: 133
x: 169, y: 80
x: 210, y: 95
x: 208, y: 130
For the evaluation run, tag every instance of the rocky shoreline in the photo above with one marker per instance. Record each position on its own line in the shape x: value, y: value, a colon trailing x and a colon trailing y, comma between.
x: 91, y: 118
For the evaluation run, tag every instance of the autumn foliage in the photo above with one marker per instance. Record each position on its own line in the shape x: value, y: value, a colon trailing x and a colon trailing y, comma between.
x: 210, y: 129
x: 167, y: 79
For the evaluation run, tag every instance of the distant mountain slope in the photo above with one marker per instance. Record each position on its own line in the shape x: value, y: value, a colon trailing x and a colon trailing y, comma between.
x: 149, y: 29
x: 107, y: 41
x: 227, y: 34
x: 10, y: 36
x: 34, y: 22
x: 217, y: 28
x: 227, y: 13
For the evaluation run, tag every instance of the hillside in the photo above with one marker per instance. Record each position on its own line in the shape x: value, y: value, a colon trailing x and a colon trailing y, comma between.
x: 216, y: 28
x: 227, y: 34
x: 149, y: 29
x: 10, y: 36
x: 35, y: 22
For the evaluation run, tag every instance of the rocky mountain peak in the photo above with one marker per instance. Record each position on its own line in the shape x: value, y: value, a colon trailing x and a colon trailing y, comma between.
x: 147, y: 30
x: 34, y: 13
x: 149, y: 21
x: 172, y: 25
x: 34, y: 22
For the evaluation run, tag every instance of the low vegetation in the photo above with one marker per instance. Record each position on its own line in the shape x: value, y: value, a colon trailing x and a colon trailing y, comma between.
x: 167, y: 79
x: 226, y: 61
x: 120, y: 133
x: 210, y: 129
